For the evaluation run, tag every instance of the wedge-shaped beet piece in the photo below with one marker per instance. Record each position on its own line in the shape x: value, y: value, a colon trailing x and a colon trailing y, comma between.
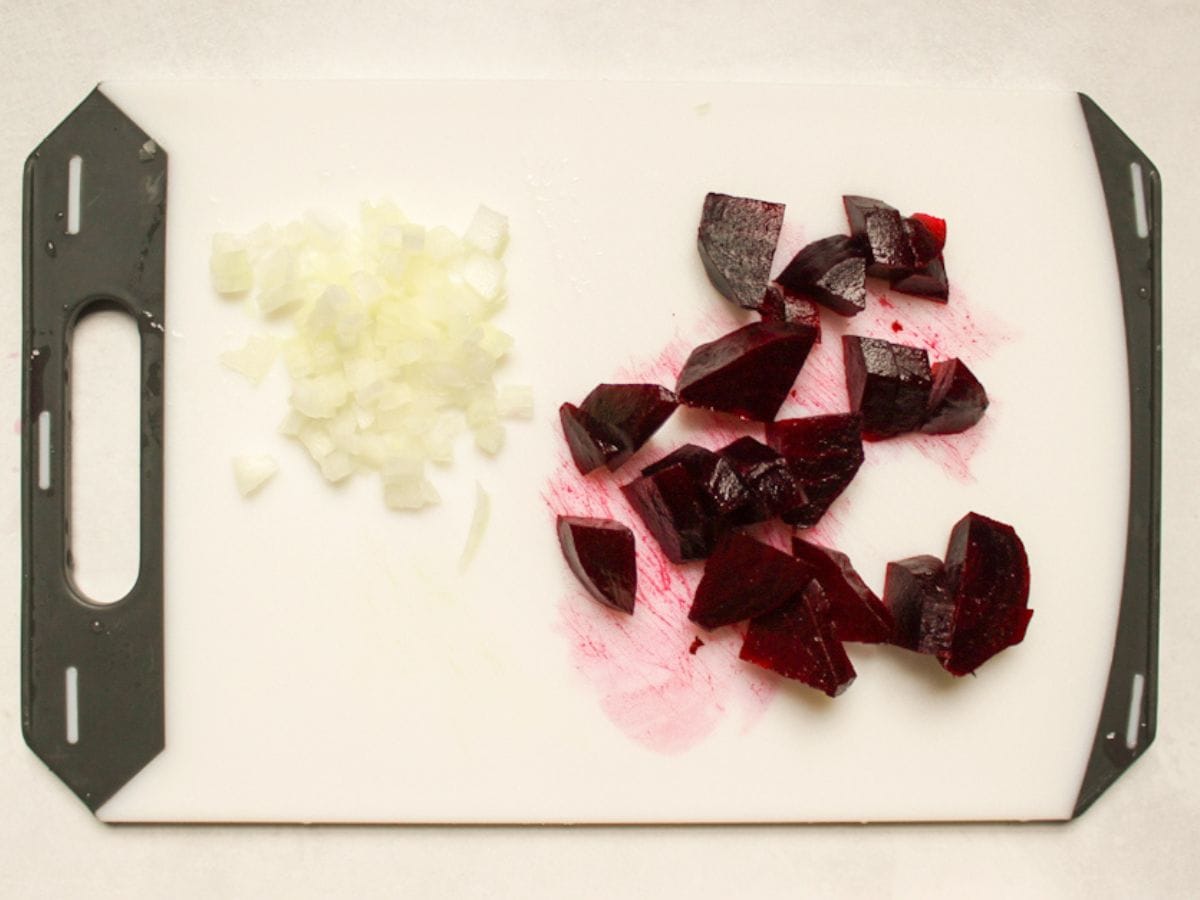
x: 722, y: 491
x: 737, y: 239
x: 744, y: 578
x: 889, y: 384
x: 929, y: 282
x: 601, y: 554
x: 781, y: 305
x: 926, y: 237
x: 832, y: 272
x: 798, y: 641
x: 672, y: 504
x: 935, y: 226
x: 856, y: 612
x: 957, y: 400
x: 914, y: 591
x: 747, y: 372
x: 824, y: 453
x: 858, y: 208
x: 880, y: 228
x: 631, y: 412
x: 987, y: 575
x: 772, y: 483
x: 592, y: 443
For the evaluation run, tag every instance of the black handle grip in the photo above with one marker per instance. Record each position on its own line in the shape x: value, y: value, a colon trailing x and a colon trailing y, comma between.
x: 115, y: 255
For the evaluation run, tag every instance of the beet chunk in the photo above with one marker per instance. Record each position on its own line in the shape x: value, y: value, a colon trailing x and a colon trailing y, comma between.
x: 935, y: 226
x: 601, y: 554
x: 773, y: 486
x: 737, y: 239
x: 798, y: 641
x: 744, y: 578
x: 592, y: 443
x: 722, y: 492
x: 856, y: 612
x: 747, y: 372
x: 832, y: 272
x: 987, y: 576
x: 957, y: 400
x: 914, y: 590
x: 824, y: 453
x: 631, y: 412
x: 781, y: 305
x: 929, y: 282
x: 857, y: 209
x: 672, y: 504
x: 926, y: 244
x: 888, y: 383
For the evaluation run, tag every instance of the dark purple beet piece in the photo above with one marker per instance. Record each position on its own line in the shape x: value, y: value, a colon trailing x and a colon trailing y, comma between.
x: 672, y: 505
x: 832, y: 272
x: 824, y: 453
x: 798, y: 641
x: 925, y: 244
x: 857, y: 614
x: 987, y: 575
x: 747, y: 372
x: 772, y: 484
x: 889, y: 252
x: 737, y: 239
x: 601, y: 554
x: 781, y: 305
x: 721, y: 489
x: 889, y: 384
x: 935, y: 226
x: 630, y: 412
x: 914, y: 590
x: 957, y: 400
x: 592, y: 444
x: 745, y: 578
x: 858, y: 207
x: 929, y: 282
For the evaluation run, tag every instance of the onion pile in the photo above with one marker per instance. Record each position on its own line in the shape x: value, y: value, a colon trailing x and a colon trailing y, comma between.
x: 387, y: 338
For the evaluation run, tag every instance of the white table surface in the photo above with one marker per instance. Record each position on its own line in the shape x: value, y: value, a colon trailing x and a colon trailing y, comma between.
x: 1137, y: 59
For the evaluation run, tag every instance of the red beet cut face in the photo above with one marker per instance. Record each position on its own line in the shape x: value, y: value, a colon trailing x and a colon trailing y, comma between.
x: 914, y: 591
x: 824, y: 452
x: 630, y: 412
x: 957, y: 400
x: 935, y: 226
x: 737, y: 239
x: 987, y: 576
x: 744, y: 578
x: 592, y: 444
x: 601, y: 554
x: 781, y: 305
x: 926, y: 243
x: 747, y: 372
x: 929, y: 282
x: 798, y: 641
x: 672, y: 504
x: 722, y: 491
x: 832, y: 272
x: 889, y: 384
x: 772, y: 484
x: 855, y: 611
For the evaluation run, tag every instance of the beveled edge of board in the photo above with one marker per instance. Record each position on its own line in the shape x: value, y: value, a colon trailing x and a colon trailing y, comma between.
x: 1133, y: 194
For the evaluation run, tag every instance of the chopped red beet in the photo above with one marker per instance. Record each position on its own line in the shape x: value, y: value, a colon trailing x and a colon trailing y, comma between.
x: 672, y: 504
x: 856, y: 612
x: 798, y: 641
x: 745, y: 578
x: 832, y: 272
x: 696, y: 645
x: 888, y: 383
x: 769, y: 477
x: 926, y: 246
x: 601, y: 554
x: 914, y: 590
x: 631, y: 412
x: 987, y: 576
x: 935, y: 226
x: 824, y: 453
x: 781, y: 305
x: 747, y: 372
x: 889, y: 250
x: 957, y: 400
x: 857, y: 208
x: 737, y: 239
x: 592, y: 443
x: 721, y: 488
x: 929, y: 282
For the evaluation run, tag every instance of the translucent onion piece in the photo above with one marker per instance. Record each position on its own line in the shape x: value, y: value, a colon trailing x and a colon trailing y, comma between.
x: 254, y: 359
x: 252, y: 472
x: 479, y: 522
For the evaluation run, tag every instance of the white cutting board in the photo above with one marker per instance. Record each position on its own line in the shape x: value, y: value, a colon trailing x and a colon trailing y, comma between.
x: 327, y: 661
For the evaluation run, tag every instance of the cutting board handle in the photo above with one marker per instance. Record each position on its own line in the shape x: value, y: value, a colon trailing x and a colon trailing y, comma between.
x: 1133, y: 193
x: 95, y: 201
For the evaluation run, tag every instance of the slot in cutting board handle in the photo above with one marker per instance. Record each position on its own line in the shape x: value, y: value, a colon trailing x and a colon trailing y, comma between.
x: 94, y: 236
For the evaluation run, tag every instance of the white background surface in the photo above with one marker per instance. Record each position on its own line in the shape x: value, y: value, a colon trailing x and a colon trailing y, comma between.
x: 1137, y: 61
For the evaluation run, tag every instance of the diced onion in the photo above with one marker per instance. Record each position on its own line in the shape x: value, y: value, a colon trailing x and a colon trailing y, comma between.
x: 479, y: 521
x: 252, y: 472
x: 254, y: 359
x: 230, y: 265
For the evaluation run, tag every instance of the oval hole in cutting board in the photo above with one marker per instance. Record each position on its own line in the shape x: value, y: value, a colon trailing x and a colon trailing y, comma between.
x: 105, y: 443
